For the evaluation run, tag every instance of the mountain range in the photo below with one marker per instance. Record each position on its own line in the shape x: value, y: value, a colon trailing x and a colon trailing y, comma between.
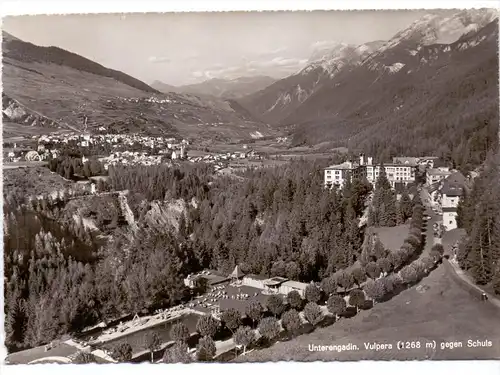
x: 431, y: 88
x: 48, y: 87
x: 220, y: 88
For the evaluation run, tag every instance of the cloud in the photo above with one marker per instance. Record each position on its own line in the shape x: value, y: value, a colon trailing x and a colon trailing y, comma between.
x: 324, y: 44
x: 277, y: 62
x: 159, y: 59
x: 273, y: 67
x: 273, y: 52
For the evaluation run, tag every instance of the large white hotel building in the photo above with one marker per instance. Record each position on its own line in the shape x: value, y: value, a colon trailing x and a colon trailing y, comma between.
x: 400, y: 171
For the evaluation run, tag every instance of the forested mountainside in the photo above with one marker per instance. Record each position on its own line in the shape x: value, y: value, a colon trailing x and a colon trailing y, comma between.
x: 435, y: 82
x: 448, y: 101
x: 479, y: 215
x: 278, y: 221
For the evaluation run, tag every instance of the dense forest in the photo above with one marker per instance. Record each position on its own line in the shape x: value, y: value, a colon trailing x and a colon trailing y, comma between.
x: 278, y: 221
x: 71, y: 166
x: 479, y: 214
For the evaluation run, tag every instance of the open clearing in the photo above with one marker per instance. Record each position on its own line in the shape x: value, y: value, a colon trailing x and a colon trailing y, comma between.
x: 444, y: 312
x: 393, y: 237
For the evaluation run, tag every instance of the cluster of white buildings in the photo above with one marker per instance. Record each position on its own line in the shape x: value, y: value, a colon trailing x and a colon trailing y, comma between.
x: 268, y: 285
x: 152, y: 99
x: 130, y: 139
x: 402, y: 170
x: 274, y: 285
x: 16, y: 155
x: 215, y: 158
x: 169, y: 148
x: 130, y: 158
x: 445, y: 195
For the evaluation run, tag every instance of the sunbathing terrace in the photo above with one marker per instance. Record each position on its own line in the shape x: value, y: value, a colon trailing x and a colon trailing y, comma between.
x: 237, y: 291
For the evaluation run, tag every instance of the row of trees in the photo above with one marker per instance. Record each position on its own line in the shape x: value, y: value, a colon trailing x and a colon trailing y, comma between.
x: 286, y: 314
x: 479, y: 215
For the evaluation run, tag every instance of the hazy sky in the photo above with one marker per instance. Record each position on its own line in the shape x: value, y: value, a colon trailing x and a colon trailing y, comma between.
x: 183, y: 48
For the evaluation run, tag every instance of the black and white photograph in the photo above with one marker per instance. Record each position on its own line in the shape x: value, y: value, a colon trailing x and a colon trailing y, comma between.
x: 235, y: 187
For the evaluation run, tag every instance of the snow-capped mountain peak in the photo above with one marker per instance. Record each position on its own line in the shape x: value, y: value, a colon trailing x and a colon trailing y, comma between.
x: 333, y: 59
x: 437, y: 29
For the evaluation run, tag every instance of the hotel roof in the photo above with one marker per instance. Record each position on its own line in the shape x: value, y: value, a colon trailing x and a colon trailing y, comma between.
x: 345, y: 166
x: 406, y: 160
x: 438, y: 172
x: 295, y: 284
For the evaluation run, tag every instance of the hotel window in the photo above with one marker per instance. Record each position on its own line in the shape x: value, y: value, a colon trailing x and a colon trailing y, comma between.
x: 328, y: 172
x: 337, y: 172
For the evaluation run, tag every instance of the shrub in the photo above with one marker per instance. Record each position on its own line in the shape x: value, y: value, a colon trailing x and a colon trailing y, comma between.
x: 152, y: 343
x: 122, y: 352
x: 413, y: 241
x: 244, y: 336
x: 409, y: 274
x: 275, y: 305
x: 496, y: 283
x: 384, y: 265
x: 374, y: 289
x: 416, y: 232
x: 357, y: 298
x: 359, y: 275
x: 291, y: 321
x: 231, y: 318
x: 336, y: 305
x: 254, y: 311
x: 420, y: 268
x: 396, y: 280
x: 178, y: 353
x: 83, y: 358
x: 269, y: 327
x: 205, y: 351
x: 396, y: 258
x: 438, y: 248
x: 312, y: 313
x: 372, y: 270
x: 428, y: 263
x: 179, y: 332
x: 207, y: 326
x: 387, y: 284
x: 435, y: 255
x: 329, y: 285
x: 295, y: 300
x: 344, y: 279
x: 312, y: 293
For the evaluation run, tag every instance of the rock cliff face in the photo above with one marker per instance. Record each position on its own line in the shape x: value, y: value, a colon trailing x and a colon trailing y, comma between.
x: 166, y: 214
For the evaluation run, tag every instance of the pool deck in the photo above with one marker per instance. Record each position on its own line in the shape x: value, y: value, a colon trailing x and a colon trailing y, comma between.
x: 142, y: 323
